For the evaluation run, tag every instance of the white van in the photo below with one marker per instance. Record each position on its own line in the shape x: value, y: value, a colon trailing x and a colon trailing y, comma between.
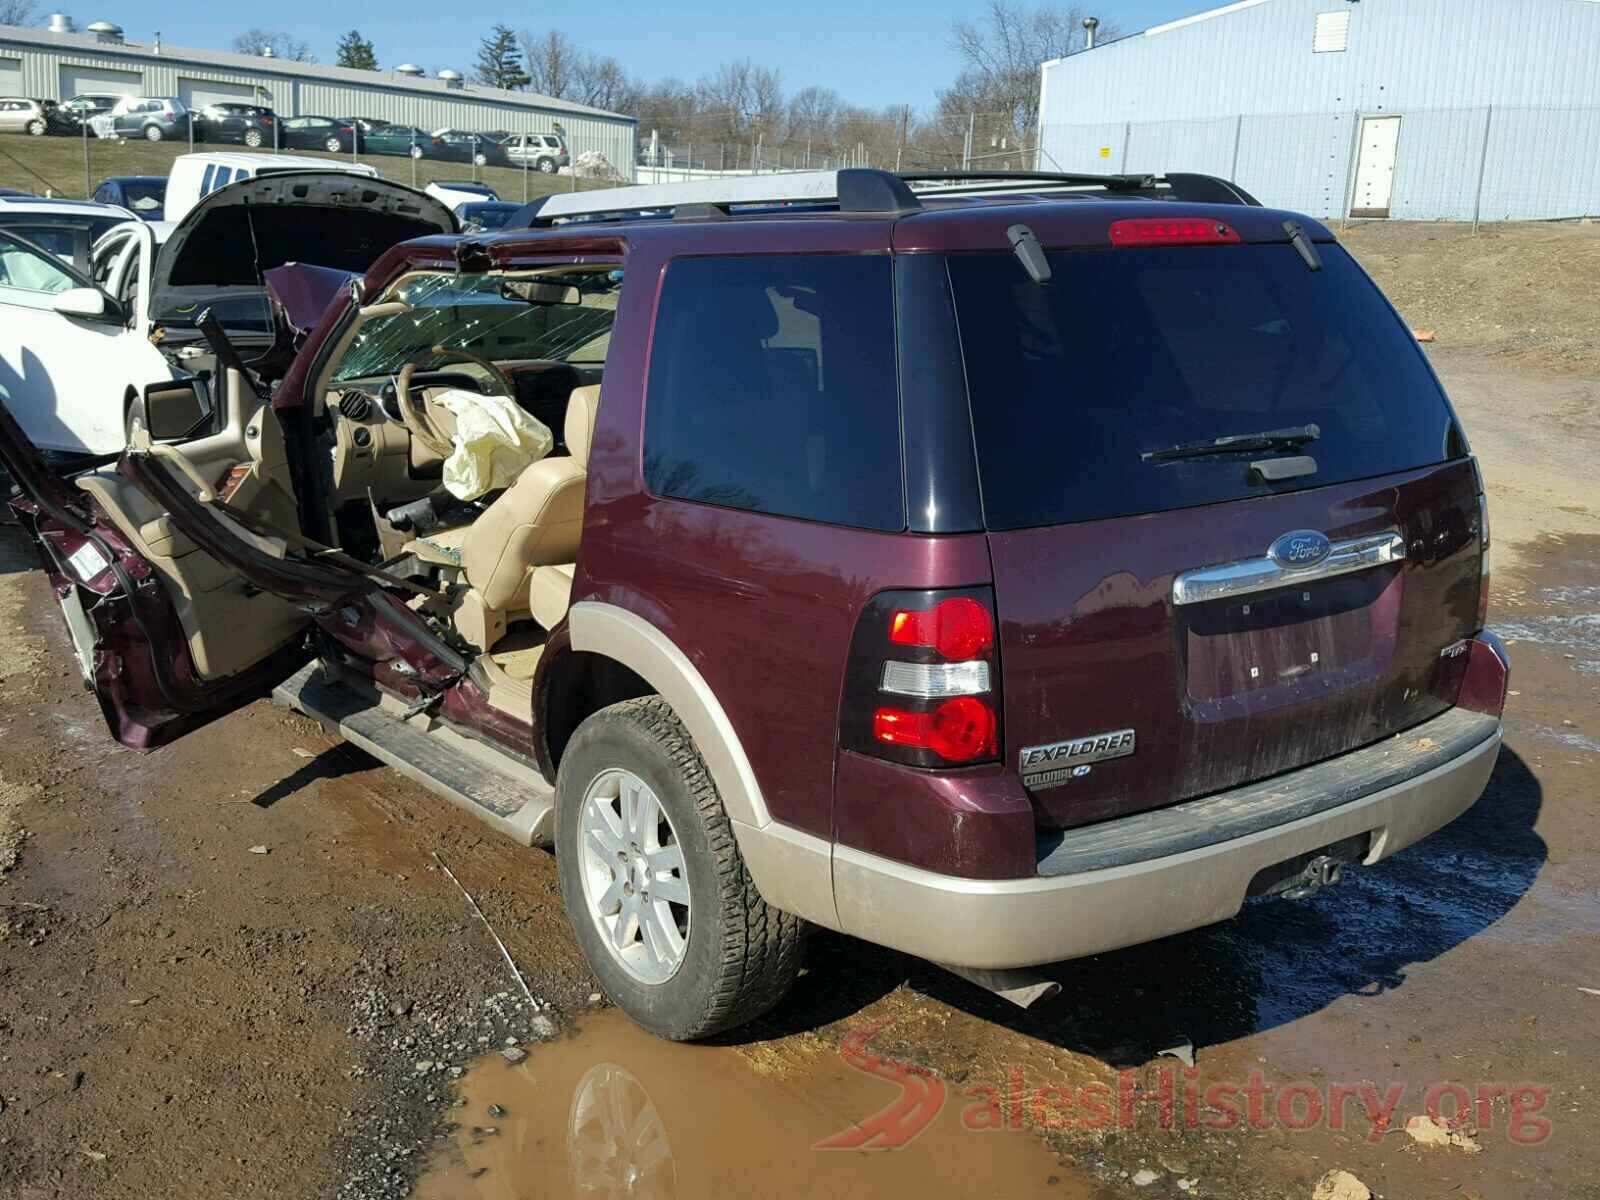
x: 196, y: 175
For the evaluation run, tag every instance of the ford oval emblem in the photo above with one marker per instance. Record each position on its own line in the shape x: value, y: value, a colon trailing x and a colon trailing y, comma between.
x: 1300, y: 549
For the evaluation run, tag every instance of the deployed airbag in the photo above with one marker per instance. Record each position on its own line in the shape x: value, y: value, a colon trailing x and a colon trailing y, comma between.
x: 494, y: 442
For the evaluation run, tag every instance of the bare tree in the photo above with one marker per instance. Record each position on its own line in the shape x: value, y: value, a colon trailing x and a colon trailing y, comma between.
x: 282, y: 45
x: 813, y: 118
x: 603, y: 83
x: 671, y: 108
x: 553, y: 62
x: 18, y: 12
x: 741, y: 101
x: 1000, y: 57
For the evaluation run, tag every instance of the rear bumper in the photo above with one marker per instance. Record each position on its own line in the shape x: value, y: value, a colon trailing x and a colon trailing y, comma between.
x: 1140, y: 878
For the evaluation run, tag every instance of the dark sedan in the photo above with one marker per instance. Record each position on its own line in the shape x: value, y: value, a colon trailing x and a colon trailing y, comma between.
x: 249, y: 124
x: 483, y: 149
x: 143, y: 195
x: 403, y: 139
x: 336, y: 135
x: 486, y: 214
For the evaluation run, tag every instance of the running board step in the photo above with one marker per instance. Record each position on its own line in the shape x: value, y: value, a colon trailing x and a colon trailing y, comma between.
x: 513, y: 799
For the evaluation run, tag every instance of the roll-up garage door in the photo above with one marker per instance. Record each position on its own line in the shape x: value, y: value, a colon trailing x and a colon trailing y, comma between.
x: 10, y: 77
x: 197, y: 93
x: 77, y: 80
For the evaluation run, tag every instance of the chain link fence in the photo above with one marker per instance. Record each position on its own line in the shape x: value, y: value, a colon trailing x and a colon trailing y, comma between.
x: 72, y: 166
x: 1455, y: 164
x: 891, y: 141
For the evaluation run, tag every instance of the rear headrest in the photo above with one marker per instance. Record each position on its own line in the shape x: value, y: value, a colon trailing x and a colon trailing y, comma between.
x: 582, y: 406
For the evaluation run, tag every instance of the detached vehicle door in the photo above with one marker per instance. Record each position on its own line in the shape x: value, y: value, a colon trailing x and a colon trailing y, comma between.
x: 167, y: 636
x: 182, y: 576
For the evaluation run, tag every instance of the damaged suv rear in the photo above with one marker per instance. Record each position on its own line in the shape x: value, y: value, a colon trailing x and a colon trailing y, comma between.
x: 998, y: 570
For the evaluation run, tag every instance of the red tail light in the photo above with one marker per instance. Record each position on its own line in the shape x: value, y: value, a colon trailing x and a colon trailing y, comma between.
x: 959, y: 628
x: 1172, y: 231
x: 922, y: 686
x: 961, y: 729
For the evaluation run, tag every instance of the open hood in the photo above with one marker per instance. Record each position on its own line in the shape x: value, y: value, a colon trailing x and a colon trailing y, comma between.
x: 219, y: 254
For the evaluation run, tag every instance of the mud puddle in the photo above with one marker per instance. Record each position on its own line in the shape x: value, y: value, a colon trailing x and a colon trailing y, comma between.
x: 615, y: 1112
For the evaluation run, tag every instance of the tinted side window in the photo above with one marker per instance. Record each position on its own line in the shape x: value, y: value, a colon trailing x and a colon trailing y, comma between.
x: 772, y: 387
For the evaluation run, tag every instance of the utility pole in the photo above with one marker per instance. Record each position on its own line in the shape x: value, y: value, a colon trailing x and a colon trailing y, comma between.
x: 966, y: 150
x: 905, y: 128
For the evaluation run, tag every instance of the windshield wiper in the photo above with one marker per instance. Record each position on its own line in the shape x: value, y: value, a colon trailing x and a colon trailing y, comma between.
x: 1271, y: 439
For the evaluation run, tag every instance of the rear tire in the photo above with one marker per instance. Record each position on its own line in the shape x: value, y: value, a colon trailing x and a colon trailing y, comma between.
x: 416, y: 152
x: 547, y: 166
x: 481, y: 160
x: 252, y: 138
x: 153, y: 133
x: 36, y: 128
x: 738, y: 955
x: 333, y: 145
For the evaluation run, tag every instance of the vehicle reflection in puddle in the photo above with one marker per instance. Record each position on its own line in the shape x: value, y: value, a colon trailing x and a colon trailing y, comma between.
x: 614, y: 1112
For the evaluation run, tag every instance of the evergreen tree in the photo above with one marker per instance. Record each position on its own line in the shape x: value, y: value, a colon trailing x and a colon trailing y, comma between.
x: 355, y: 51
x: 500, y: 62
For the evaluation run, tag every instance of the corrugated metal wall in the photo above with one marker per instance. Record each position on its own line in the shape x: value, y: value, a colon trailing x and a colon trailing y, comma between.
x: 294, y: 96
x: 1242, y: 95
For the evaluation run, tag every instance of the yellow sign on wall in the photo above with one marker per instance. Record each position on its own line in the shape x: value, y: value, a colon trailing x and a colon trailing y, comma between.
x: 1105, y: 151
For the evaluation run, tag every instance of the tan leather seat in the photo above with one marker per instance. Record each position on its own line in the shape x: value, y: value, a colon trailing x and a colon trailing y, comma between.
x: 537, y: 520
x: 550, y: 593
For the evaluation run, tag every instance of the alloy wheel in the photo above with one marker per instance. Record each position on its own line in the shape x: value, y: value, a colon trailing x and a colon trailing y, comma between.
x: 634, y: 886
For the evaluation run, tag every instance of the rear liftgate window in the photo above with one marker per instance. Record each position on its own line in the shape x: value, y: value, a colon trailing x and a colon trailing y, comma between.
x: 1128, y: 352
x: 772, y: 388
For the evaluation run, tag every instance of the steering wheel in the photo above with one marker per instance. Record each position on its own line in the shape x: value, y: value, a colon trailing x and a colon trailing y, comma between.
x: 414, y: 416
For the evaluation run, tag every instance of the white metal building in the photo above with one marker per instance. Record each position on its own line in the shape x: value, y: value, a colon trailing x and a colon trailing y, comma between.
x: 1425, y: 109
x: 47, y: 64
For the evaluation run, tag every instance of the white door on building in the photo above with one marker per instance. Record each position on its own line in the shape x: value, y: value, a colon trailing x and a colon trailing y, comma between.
x: 197, y: 93
x: 1375, y: 160
x: 10, y: 77
x: 76, y: 81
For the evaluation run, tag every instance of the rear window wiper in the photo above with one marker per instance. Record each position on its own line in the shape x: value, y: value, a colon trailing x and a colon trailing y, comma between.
x: 1271, y: 439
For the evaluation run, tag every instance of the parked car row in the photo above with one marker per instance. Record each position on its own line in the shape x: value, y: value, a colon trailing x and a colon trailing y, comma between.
x: 161, y: 117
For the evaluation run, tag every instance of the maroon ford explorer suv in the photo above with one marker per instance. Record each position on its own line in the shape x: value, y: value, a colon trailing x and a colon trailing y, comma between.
x: 1002, y: 570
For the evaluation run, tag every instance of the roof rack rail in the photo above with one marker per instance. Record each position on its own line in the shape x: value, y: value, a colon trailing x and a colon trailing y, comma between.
x: 1175, y: 185
x: 850, y: 190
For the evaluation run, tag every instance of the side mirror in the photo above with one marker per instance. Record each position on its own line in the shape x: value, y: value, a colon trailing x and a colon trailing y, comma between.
x: 172, y: 411
x: 91, y: 304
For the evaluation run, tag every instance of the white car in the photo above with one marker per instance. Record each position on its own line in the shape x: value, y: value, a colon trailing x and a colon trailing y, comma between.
x: 64, y: 351
x: 456, y: 192
x: 66, y: 228
x: 195, y: 176
x: 77, y: 348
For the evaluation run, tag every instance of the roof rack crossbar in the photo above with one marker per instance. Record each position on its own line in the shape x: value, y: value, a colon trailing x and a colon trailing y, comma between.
x: 850, y: 190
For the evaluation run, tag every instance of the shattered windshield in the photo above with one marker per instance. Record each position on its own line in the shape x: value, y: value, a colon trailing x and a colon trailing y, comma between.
x: 564, y: 317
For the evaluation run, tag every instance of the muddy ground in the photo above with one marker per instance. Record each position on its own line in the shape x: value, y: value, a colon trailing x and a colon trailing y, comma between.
x: 235, y: 968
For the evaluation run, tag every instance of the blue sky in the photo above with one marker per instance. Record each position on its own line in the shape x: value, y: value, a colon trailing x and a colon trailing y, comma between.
x: 874, y: 52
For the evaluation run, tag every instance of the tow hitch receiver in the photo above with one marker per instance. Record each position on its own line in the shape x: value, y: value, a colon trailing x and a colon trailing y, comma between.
x: 1305, y: 875
x: 1322, y: 871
